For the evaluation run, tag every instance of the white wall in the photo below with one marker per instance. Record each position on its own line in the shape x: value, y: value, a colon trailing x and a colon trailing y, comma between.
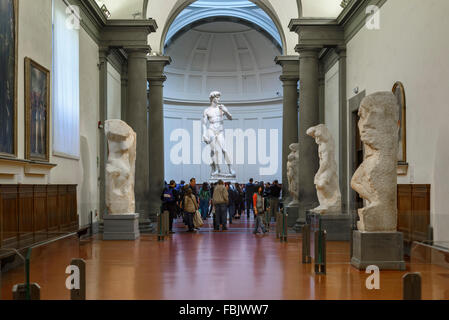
x: 332, y: 106
x: 35, y: 42
x: 114, y: 93
x: 412, y: 46
x: 182, y: 117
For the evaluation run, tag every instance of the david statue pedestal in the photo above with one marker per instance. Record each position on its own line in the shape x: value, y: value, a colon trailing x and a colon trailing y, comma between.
x: 213, y: 135
x: 121, y: 222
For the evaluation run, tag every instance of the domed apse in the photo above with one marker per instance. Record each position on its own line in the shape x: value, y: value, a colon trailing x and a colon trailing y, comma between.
x: 234, y: 55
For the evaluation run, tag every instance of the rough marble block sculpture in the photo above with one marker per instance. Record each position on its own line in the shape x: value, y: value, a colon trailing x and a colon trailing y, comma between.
x: 293, y: 174
x: 376, y: 178
x: 120, y: 168
x: 326, y: 179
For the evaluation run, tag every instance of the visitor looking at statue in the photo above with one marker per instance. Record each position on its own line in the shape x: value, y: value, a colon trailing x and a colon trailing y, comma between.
x: 259, y: 209
x: 250, y: 189
x: 190, y: 205
x: 205, y: 200
x: 220, y: 201
x: 169, y: 199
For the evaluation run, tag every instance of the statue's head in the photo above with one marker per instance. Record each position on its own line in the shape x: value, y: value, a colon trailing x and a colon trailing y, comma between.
x: 214, y: 96
x: 320, y: 133
x: 378, y: 122
x: 294, y: 147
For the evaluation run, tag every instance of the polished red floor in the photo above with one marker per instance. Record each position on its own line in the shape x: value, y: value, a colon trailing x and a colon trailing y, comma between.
x: 208, y: 265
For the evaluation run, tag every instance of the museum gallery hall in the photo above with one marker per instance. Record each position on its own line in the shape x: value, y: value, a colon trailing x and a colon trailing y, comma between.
x: 224, y: 150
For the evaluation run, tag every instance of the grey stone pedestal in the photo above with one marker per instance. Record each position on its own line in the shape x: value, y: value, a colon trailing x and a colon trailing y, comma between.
x: 292, y: 215
x: 121, y: 227
x: 338, y: 226
x: 382, y: 249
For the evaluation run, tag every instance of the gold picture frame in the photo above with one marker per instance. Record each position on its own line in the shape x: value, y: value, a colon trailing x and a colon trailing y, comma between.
x: 15, y: 4
x: 37, y: 111
x: 399, y: 92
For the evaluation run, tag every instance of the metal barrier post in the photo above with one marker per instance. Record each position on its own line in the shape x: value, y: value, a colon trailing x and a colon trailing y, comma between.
x: 284, y: 228
x: 320, y: 251
x: 278, y: 225
x: 411, y: 286
x: 306, y: 258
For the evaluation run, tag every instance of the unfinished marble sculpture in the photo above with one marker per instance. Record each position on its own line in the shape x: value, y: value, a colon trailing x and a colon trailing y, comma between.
x: 326, y: 179
x: 293, y: 174
x: 376, y: 179
x: 120, y: 168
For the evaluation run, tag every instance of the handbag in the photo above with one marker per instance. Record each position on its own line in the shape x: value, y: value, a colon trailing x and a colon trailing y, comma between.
x: 197, y: 221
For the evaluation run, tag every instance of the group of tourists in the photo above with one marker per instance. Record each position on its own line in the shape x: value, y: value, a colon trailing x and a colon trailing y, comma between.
x: 221, y: 201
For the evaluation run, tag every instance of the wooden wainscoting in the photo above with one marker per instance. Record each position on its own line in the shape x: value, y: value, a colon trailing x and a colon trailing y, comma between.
x: 414, y: 211
x: 34, y: 213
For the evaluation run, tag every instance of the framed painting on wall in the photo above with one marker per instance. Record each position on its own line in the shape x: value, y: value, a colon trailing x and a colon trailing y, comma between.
x: 37, y: 111
x: 8, y: 77
x: 399, y: 92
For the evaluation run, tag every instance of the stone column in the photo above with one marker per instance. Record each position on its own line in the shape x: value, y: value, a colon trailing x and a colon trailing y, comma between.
x: 156, y: 79
x: 289, y: 78
x: 343, y: 114
x: 103, y: 57
x: 136, y: 117
x: 308, y: 117
x: 124, y: 90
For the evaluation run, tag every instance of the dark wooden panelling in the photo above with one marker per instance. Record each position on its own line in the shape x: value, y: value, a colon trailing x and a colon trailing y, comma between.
x: 25, y: 213
x: 420, y: 212
x: 52, y: 209
x: 32, y: 213
x: 405, y: 211
x: 414, y: 211
x: 10, y: 222
x: 40, y: 214
x: 63, y: 208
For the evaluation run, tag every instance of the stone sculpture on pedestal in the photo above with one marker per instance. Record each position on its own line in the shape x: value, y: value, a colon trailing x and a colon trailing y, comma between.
x: 293, y: 174
x: 120, y: 168
x: 377, y: 242
x: 121, y: 223
x: 213, y: 135
x: 376, y: 178
x: 326, y: 179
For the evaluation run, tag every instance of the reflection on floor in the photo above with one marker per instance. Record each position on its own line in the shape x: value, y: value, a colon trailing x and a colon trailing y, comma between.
x: 208, y: 265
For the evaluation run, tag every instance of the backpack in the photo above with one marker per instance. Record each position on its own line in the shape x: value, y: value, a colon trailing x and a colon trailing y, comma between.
x: 168, y: 195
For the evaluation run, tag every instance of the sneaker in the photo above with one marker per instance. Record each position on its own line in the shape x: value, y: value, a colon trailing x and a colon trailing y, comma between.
x: 172, y: 232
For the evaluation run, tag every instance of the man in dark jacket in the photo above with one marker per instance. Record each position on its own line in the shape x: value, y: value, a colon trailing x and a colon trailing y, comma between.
x: 274, y: 195
x: 169, y: 199
x: 250, y: 189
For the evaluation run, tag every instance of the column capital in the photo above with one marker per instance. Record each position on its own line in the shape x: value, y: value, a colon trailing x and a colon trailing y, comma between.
x: 308, y: 51
x: 155, y: 69
x: 290, y: 67
x: 289, y: 80
x: 137, y: 51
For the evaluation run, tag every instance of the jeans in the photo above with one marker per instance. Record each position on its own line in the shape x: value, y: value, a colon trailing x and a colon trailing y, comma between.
x: 172, y: 209
x: 221, y: 212
x: 204, y: 208
x: 249, y: 205
x: 259, y: 223
x: 274, y: 208
x: 189, y: 219
x: 231, y: 209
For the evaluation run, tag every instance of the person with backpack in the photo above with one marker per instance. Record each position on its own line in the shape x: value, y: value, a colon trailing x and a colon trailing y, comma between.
x: 204, y: 200
x: 190, y: 206
x: 232, y: 195
x: 250, y: 190
x: 259, y: 209
x: 220, y: 202
x: 169, y: 199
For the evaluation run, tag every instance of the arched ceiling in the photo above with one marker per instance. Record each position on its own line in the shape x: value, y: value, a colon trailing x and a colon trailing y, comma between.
x: 225, y: 56
x: 240, y: 9
x: 165, y: 11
